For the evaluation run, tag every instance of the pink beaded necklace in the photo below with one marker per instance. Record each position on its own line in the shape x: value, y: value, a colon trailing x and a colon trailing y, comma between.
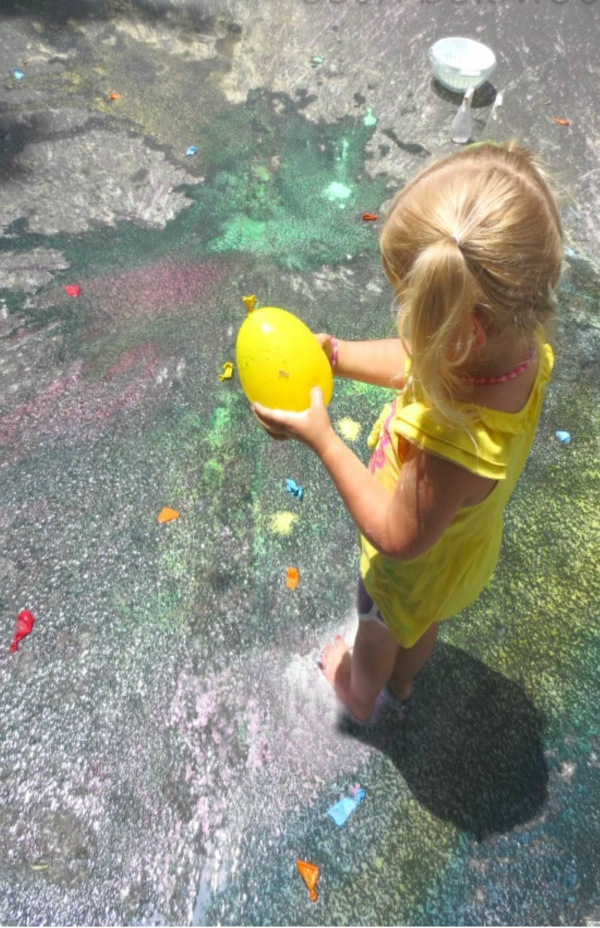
x: 502, y: 378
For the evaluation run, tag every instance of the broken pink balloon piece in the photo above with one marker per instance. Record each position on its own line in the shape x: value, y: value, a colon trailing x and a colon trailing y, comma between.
x: 25, y: 622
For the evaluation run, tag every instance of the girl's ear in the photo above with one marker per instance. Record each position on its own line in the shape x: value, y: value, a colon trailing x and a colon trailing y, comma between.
x: 479, y: 333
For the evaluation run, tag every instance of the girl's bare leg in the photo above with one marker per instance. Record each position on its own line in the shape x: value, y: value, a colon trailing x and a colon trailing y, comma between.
x: 409, y: 661
x: 358, y: 676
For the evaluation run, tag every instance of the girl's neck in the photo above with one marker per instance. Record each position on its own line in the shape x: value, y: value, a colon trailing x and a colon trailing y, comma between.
x: 500, y: 357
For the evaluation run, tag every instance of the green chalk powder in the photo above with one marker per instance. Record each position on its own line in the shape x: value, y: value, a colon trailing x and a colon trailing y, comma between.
x: 337, y: 193
x: 370, y: 119
x: 277, y: 186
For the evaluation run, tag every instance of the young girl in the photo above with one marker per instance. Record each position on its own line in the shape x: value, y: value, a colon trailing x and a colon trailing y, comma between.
x: 473, y: 249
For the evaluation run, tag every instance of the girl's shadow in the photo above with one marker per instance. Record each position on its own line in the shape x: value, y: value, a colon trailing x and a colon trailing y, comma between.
x: 469, y: 747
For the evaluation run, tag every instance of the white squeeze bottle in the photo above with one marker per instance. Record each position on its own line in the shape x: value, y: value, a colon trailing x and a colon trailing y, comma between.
x: 493, y: 128
x: 462, y: 125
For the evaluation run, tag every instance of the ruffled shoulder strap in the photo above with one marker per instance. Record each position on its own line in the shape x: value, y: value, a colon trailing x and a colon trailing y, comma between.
x: 481, y: 450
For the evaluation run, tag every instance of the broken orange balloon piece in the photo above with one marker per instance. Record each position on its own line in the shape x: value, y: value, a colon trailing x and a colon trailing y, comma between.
x: 561, y: 122
x: 369, y: 217
x: 310, y: 875
x: 114, y: 96
x: 292, y: 578
x: 167, y: 515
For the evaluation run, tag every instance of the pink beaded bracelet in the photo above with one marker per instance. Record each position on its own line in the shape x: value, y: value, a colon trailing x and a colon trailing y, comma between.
x: 334, y: 351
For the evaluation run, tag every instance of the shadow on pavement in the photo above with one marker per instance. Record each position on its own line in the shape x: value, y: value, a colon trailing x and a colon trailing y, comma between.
x: 470, y: 746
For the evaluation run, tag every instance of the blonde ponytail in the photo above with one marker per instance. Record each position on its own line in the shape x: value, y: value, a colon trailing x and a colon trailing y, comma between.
x: 437, y: 299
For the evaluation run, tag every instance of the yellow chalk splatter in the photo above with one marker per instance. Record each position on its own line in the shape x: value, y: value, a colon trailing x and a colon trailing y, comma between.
x: 349, y: 428
x: 281, y: 523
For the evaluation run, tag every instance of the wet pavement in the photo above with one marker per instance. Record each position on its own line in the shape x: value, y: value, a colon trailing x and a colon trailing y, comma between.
x: 168, y: 747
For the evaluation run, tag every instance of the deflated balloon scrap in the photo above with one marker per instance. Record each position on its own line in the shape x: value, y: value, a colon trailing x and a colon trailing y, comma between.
x: 191, y: 150
x: 167, y: 515
x: 294, y: 489
x: 563, y: 437
x: 72, y: 290
x: 114, y: 96
x: 561, y: 122
x: 369, y: 217
x: 292, y: 578
x: 310, y: 875
x: 25, y: 622
x: 343, y: 809
x: 227, y: 371
x: 18, y: 75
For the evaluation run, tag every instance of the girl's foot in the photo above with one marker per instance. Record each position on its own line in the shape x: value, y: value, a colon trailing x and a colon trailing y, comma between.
x: 336, y: 664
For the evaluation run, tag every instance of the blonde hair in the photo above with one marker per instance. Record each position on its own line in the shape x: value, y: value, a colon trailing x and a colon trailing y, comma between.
x: 475, y: 233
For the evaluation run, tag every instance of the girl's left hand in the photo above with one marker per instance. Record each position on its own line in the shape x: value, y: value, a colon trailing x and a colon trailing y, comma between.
x: 311, y: 426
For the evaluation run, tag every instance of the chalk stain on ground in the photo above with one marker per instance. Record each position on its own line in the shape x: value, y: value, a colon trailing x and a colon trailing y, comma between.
x: 348, y: 428
x: 266, y: 168
x: 282, y: 523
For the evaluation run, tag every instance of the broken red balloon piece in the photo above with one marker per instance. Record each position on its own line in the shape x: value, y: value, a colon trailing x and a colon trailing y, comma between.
x: 72, y: 290
x: 25, y: 621
x: 369, y: 217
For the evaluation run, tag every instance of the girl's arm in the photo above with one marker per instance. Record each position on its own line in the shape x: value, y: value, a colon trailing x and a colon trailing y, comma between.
x: 403, y: 524
x: 381, y: 362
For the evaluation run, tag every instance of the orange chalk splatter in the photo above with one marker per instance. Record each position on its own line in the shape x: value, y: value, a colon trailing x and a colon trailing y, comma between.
x: 167, y: 515
x: 310, y: 875
x: 561, y: 122
x: 292, y: 578
x: 370, y: 217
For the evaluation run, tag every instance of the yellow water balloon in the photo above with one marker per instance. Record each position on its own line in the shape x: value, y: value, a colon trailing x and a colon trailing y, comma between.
x: 279, y: 360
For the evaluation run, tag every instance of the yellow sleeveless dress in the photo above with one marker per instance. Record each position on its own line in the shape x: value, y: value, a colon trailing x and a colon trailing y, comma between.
x: 411, y: 595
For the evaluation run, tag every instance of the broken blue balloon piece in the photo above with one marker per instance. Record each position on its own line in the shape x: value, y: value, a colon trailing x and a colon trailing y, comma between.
x: 294, y: 489
x: 343, y: 809
x: 564, y: 437
x: 191, y: 150
x: 18, y: 75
